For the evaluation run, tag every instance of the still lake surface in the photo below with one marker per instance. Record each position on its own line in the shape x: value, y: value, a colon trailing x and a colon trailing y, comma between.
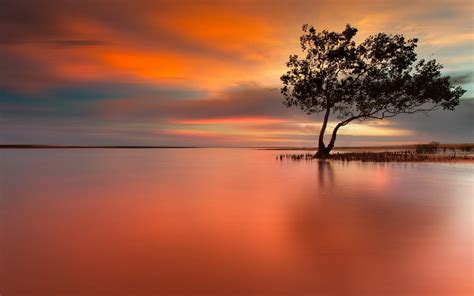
x: 230, y: 222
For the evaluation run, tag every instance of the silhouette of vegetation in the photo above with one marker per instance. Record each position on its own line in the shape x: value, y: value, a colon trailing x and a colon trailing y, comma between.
x: 429, y: 148
x: 386, y: 156
x: 377, y: 79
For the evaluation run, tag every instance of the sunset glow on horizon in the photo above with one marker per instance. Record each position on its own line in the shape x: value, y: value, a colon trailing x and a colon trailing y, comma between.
x: 202, y: 73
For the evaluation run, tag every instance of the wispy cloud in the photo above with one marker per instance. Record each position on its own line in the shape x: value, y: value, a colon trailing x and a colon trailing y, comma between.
x: 192, y: 72
x: 76, y: 42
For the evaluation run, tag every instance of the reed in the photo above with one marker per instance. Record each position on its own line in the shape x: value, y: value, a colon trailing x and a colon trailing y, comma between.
x: 388, y: 156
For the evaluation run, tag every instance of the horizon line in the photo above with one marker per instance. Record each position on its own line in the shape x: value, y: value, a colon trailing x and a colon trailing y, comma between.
x: 60, y: 146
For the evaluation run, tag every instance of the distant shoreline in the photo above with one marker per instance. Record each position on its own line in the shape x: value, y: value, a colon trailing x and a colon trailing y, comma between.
x: 27, y: 146
x: 389, y: 147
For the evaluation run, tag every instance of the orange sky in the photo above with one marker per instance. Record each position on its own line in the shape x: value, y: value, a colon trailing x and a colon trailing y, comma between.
x: 127, y: 72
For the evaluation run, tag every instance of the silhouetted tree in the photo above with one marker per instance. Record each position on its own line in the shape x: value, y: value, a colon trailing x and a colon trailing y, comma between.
x: 376, y: 79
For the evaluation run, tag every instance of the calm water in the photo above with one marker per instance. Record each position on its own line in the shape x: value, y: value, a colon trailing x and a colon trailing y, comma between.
x: 231, y: 222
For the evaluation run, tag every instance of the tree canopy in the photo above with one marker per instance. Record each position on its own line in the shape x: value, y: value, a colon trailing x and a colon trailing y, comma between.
x: 379, y: 78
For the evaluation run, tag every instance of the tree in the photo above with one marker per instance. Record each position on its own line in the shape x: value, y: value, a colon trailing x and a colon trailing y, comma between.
x: 377, y: 79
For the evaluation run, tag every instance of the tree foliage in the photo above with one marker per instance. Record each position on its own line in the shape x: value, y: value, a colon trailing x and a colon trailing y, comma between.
x: 379, y: 78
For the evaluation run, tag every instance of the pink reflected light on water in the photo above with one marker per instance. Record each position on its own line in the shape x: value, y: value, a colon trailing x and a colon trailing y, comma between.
x: 231, y: 222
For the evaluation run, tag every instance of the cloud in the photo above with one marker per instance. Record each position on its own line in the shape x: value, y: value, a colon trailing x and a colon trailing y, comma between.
x: 212, y: 44
x: 75, y: 42
x: 442, y: 126
x: 162, y: 72
x: 249, y: 115
x: 462, y: 78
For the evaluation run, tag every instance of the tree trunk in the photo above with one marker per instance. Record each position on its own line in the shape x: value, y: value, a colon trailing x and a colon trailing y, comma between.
x: 333, y: 137
x: 323, y: 152
x: 323, y: 129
